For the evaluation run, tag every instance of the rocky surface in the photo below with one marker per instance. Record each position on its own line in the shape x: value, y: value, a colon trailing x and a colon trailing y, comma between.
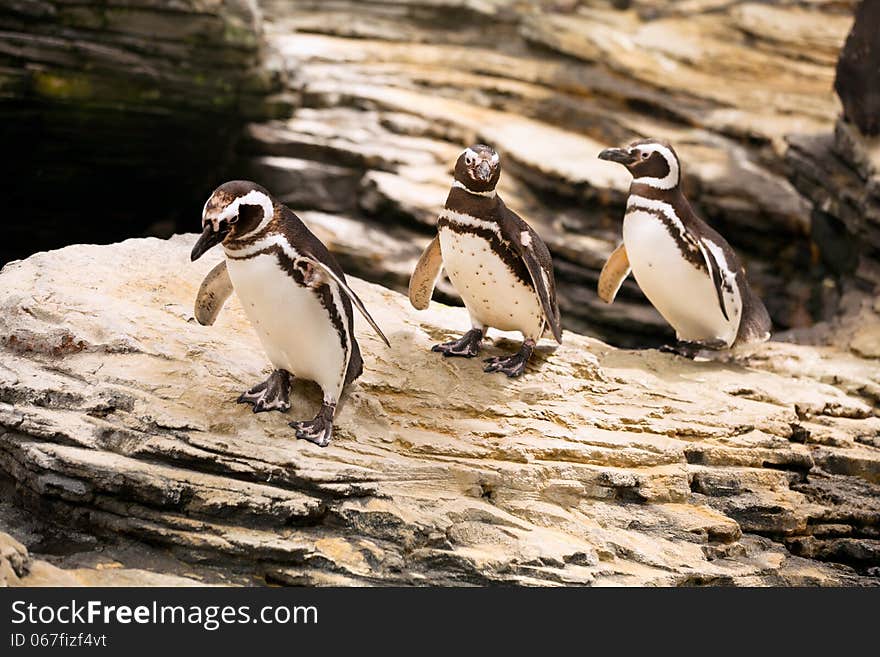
x: 122, y: 114
x: 858, y: 70
x: 131, y: 111
x: 385, y: 94
x: 19, y: 568
x: 599, y: 466
x: 839, y: 171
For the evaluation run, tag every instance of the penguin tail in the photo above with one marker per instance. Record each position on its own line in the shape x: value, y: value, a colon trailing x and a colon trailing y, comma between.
x: 755, y: 325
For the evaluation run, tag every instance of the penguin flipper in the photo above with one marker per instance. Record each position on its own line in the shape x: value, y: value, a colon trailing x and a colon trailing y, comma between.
x: 544, y: 285
x: 613, y: 274
x: 723, y: 277
x: 425, y: 275
x: 355, y: 300
x: 536, y: 257
x: 213, y: 293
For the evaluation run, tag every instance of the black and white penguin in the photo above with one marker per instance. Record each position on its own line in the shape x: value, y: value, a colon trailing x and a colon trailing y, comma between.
x: 686, y: 269
x: 497, y: 263
x: 294, y: 293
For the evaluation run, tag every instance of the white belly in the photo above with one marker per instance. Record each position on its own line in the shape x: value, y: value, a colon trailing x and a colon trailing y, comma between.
x: 682, y: 293
x: 490, y: 291
x: 293, y: 326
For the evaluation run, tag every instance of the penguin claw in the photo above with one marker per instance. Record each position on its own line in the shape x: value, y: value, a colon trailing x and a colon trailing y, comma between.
x: 254, y: 395
x: 270, y: 395
x: 449, y: 349
x: 512, y: 366
x: 265, y: 405
x: 315, y: 431
x: 691, y: 350
x: 679, y: 350
x: 318, y: 430
x: 467, y: 346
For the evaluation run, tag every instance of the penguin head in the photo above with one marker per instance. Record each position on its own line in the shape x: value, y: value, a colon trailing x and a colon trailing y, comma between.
x: 478, y: 168
x: 650, y: 161
x: 234, y: 210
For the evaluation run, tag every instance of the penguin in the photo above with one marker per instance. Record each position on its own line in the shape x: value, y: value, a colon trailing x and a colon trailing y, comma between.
x: 294, y: 294
x: 687, y: 270
x: 500, y: 267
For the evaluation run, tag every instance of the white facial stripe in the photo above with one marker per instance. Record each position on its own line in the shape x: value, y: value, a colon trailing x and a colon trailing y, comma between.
x: 468, y: 220
x: 471, y: 153
x: 671, y: 179
x: 253, y: 197
x: 461, y: 185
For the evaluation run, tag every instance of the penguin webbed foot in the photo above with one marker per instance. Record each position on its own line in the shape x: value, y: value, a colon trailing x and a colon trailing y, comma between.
x: 691, y: 350
x: 320, y: 429
x: 273, y: 394
x: 467, y: 346
x: 514, y: 365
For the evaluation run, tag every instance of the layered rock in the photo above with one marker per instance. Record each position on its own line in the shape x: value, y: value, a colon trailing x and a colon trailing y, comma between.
x: 122, y: 114
x: 858, y: 70
x: 839, y: 171
x: 19, y: 568
x: 387, y: 93
x: 599, y: 466
x: 126, y: 115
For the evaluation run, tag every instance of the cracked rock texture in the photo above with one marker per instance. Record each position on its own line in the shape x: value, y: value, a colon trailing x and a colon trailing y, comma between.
x: 600, y: 466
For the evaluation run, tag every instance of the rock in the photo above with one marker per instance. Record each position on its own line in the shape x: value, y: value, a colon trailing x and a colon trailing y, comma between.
x: 386, y: 95
x: 840, y: 173
x: 123, y: 114
x: 360, y: 108
x: 18, y: 568
x: 858, y: 70
x: 866, y: 341
x: 13, y: 560
x: 600, y: 466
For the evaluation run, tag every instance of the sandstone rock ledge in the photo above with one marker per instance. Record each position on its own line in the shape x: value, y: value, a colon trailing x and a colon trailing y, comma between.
x: 601, y: 466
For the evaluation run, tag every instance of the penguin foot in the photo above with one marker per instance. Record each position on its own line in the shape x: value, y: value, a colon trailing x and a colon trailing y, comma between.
x: 273, y: 394
x: 683, y: 349
x: 513, y: 365
x: 691, y: 350
x: 467, y: 346
x: 319, y: 430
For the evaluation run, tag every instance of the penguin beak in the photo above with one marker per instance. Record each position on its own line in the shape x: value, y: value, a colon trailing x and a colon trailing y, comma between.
x: 483, y: 172
x: 619, y: 155
x: 209, y: 238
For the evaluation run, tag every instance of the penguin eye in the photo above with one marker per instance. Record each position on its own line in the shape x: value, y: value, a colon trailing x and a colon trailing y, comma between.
x: 644, y: 155
x: 469, y: 160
